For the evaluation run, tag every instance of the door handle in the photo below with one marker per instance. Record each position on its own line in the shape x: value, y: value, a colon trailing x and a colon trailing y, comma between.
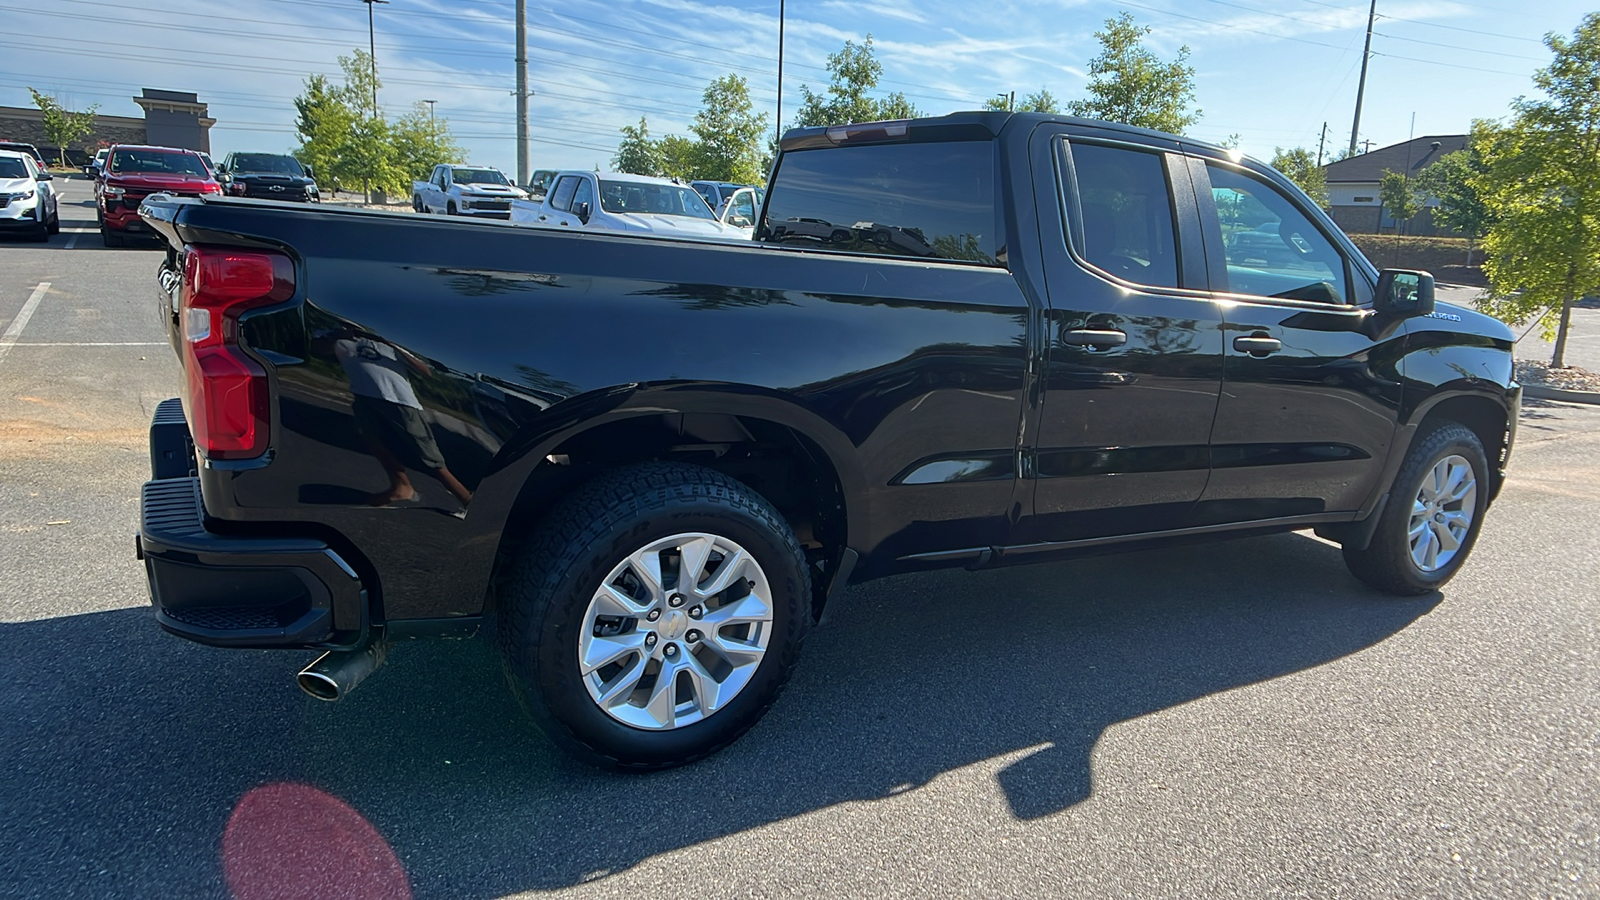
x: 1093, y: 337
x: 1257, y: 345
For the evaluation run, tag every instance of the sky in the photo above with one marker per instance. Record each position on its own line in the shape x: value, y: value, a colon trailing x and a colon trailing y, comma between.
x: 1269, y: 71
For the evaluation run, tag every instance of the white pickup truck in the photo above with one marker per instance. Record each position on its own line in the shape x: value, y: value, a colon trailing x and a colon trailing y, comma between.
x: 616, y: 201
x: 466, y: 191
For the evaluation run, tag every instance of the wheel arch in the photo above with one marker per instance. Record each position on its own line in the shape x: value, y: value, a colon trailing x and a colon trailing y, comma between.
x: 1490, y: 416
x: 799, y: 461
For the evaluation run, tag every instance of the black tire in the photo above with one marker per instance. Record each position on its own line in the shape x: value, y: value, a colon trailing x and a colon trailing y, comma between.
x: 1386, y: 563
x: 553, y: 580
x: 55, y: 223
x: 416, y: 203
x: 110, y: 238
x: 450, y: 209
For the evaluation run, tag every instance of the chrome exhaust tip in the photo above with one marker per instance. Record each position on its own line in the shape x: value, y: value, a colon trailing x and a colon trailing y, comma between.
x: 336, y: 673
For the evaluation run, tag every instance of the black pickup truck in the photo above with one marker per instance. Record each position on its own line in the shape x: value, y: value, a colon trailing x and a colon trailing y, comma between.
x: 647, y: 466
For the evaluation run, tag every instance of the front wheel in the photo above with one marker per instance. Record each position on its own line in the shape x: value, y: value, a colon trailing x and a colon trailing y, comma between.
x: 1433, y: 516
x: 655, y: 616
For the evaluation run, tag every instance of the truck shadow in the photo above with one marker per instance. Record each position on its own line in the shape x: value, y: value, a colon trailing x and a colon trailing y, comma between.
x: 123, y: 751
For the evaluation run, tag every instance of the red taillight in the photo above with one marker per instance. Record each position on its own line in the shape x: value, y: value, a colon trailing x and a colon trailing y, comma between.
x: 229, y: 406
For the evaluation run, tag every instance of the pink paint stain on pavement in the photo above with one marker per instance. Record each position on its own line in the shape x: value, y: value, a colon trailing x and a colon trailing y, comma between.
x: 288, y: 841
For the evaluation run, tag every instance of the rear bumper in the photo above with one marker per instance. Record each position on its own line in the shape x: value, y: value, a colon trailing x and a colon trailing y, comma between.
x: 238, y: 590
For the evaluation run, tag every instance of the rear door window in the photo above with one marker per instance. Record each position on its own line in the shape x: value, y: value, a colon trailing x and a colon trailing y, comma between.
x: 1126, y: 209
x: 561, y: 198
x: 931, y: 200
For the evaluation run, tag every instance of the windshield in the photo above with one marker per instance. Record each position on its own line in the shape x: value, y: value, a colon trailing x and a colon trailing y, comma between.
x: 158, y: 162
x: 11, y: 167
x: 267, y: 164
x: 478, y: 176
x: 660, y: 199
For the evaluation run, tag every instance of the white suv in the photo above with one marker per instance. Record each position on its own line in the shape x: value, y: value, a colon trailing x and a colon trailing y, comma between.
x: 27, y: 199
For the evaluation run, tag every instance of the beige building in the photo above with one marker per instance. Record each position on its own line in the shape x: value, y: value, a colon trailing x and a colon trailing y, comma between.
x: 1353, y: 185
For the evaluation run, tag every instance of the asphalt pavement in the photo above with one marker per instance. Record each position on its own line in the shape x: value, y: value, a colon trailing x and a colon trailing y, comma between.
x: 1228, y: 720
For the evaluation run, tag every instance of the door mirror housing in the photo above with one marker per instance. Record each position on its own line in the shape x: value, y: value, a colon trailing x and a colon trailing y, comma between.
x: 45, y: 176
x: 581, y: 210
x: 1405, y: 292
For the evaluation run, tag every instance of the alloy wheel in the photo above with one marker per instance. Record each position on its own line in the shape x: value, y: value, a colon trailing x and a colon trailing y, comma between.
x: 1441, y: 513
x: 675, y: 631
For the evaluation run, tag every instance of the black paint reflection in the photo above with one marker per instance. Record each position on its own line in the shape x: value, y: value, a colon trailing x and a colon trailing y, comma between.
x: 389, y: 417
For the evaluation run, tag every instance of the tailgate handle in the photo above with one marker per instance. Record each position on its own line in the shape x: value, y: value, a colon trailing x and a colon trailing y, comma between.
x: 1257, y: 345
x: 1091, y: 337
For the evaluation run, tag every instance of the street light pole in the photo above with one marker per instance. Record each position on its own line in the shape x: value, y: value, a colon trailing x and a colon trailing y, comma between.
x: 433, y: 133
x: 779, y: 123
x: 372, y: 53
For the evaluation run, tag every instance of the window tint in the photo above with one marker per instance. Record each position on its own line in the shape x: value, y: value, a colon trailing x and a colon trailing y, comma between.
x: 562, y: 197
x: 1127, y: 214
x: 166, y: 162
x: 1272, y: 249
x: 743, y: 214
x: 928, y: 200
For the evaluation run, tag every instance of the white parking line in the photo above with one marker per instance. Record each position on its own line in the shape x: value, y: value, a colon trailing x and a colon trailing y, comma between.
x: 73, y: 242
x: 91, y: 344
x: 14, y: 330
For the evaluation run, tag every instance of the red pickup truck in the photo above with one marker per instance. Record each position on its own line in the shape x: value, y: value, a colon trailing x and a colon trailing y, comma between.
x: 132, y: 173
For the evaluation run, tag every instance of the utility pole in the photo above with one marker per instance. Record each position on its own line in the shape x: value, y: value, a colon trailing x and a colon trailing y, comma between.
x: 1320, y: 142
x: 779, y: 124
x: 1361, y: 89
x: 524, y: 160
x: 372, y: 53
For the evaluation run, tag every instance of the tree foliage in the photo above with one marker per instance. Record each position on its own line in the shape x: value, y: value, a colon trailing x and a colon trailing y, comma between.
x: 1452, y: 178
x: 728, y: 133
x: 853, y: 73
x: 1128, y: 83
x: 61, y: 125
x: 1541, y: 187
x: 638, y: 154
x: 1300, y: 166
x: 1041, y: 102
x: 344, y: 138
x: 1398, y: 195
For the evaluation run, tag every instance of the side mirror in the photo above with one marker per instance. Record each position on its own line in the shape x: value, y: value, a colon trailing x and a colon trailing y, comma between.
x: 310, y: 173
x: 45, y: 176
x: 582, y: 212
x: 1404, y: 292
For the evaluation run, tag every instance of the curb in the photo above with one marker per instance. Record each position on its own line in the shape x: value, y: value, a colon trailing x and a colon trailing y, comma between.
x: 1540, y: 392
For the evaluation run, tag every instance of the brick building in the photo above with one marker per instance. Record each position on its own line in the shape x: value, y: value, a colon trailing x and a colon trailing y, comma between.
x: 171, y: 119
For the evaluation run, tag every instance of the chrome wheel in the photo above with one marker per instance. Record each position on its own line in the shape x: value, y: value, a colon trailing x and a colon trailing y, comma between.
x: 675, y: 632
x: 1441, y: 513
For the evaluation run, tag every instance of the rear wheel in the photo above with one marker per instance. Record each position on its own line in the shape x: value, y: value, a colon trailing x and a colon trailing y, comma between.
x: 655, y: 616
x: 1433, y: 516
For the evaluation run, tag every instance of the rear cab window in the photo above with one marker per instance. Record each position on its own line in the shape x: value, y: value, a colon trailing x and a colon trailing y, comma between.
x: 928, y: 200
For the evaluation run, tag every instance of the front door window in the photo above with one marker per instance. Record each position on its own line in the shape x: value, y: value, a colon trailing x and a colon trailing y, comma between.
x: 1272, y: 249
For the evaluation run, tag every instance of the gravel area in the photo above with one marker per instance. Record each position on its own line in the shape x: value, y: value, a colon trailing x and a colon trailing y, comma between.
x: 1571, y: 378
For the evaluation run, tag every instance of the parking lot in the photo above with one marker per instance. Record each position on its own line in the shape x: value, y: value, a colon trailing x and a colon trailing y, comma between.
x: 1230, y: 720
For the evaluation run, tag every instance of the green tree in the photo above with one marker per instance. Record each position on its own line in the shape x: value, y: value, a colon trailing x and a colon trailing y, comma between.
x: 1453, y: 179
x: 323, y: 120
x: 729, y: 133
x: 853, y: 73
x: 1300, y: 166
x: 1399, y: 197
x: 680, y: 157
x: 1130, y: 84
x: 1041, y: 102
x: 1542, y: 190
x: 419, y: 143
x: 61, y: 125
x: 637, y: 153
